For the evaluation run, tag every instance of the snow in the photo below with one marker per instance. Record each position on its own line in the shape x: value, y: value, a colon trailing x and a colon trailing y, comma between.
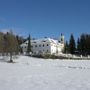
x: 38, y: 74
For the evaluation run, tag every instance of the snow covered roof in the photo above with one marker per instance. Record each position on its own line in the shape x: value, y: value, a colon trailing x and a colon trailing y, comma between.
x: 48, y: 40
x: 44, y: 40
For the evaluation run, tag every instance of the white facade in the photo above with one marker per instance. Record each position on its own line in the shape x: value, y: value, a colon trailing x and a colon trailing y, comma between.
x: 44, y: 46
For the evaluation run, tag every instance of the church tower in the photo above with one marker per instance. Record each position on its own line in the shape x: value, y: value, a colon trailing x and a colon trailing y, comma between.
x: 62, y: 38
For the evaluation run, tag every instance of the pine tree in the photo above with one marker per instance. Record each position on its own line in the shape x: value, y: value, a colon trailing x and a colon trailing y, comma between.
x: 72, y: 46
x: 82, y: 43
x: 29, y: 45
x: 66, y: 48
x: 88, y: 42
x: 78, y: 45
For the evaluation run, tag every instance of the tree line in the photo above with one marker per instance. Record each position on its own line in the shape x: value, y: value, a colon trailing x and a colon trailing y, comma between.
x: 10, y: 44
x: 80, y: 47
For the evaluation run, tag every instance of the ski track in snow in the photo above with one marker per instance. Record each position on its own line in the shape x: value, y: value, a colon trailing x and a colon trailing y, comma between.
x: 38, y: 74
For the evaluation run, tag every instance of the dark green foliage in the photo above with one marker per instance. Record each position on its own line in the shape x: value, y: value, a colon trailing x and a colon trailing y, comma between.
x: 78, y: 45
x: 66, y: 47
x: 29, y: 45
x: 83, y: 44
x: 72, y: 46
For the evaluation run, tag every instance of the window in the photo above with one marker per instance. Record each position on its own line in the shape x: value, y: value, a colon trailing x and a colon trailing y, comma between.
x: 25, y: 47
x: 39, y: 45
x: 43, y: 41
x: 43, y: 45
x: 33, y: 42
x: 34, y: 52
x: 47, y: 45
x: 35, y: 45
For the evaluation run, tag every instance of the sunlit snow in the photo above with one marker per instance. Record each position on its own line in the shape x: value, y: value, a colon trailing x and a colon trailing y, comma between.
x: 29, y: 73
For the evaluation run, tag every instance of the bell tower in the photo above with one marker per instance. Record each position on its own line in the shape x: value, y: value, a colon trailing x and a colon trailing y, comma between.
x: 62, y: 38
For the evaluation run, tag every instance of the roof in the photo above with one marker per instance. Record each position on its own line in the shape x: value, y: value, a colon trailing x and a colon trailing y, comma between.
x: 48, y: 40
x: 44, y: 40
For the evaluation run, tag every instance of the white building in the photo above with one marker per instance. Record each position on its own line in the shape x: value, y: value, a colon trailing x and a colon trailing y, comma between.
x: 45, y: 46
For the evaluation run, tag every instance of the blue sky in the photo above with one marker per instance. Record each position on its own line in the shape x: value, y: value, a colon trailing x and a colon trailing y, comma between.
x: 45, y: 18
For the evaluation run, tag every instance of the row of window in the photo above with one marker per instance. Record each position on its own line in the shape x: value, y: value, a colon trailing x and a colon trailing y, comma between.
x: 37, y: 46
x: 40, y: 45
x: 36, y: 42
x: 40, y: 52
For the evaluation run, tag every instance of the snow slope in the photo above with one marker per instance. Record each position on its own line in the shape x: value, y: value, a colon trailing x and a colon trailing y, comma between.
x: 38, y: 74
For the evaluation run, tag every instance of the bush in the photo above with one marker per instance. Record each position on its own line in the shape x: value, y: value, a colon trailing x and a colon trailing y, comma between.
x: 46, y: 56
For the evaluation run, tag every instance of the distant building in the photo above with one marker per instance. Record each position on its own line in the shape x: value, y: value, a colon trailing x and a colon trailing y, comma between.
x: 45, y: 46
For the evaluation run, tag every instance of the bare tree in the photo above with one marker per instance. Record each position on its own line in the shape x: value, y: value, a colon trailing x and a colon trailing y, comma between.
x: 11, y: 44
x: 1, y: 43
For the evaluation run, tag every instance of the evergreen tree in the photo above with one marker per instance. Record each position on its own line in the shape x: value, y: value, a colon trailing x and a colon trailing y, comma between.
x: 78, y: 45
x: 29, y: 45
x: 66, y: 48
x: 88, y: 43
x: 82, y: 43
x: 72, y: 46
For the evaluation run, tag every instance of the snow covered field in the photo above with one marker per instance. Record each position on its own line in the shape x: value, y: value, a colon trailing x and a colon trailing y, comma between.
x: 38, y: 74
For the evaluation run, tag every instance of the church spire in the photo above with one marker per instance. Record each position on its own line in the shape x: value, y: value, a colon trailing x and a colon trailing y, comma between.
x: 62, y: 38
